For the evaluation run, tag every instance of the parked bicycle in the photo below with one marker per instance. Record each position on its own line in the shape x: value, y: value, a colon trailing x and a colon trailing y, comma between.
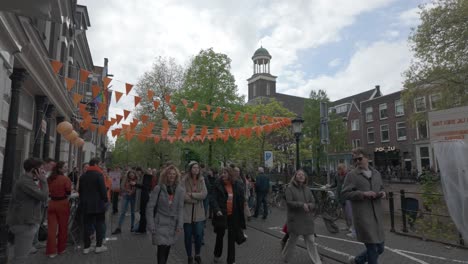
x: 326, y: 206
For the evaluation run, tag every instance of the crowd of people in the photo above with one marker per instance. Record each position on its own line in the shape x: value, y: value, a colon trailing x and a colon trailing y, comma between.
x: 171, y: 202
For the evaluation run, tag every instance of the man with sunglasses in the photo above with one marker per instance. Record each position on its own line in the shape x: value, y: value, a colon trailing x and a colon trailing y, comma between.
x: 363, y: 186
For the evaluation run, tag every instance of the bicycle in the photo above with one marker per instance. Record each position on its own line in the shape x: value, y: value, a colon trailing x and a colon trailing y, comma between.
x: 326, y: 202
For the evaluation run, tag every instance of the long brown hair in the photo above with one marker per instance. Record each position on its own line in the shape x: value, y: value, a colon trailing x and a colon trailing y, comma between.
x: 165, y: 172
x: 56, y: 171
x: 232, y: 173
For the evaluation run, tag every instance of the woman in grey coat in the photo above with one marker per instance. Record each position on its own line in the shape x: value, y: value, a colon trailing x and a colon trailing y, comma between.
x: 300, y: 219
x: 166, y: 222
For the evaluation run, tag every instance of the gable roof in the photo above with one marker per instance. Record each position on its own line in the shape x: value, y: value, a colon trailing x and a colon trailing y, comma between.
x: 294, y: 104
x: 357, y: 98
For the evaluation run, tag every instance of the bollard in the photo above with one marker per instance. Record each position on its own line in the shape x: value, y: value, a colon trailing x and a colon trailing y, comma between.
x: 403, y: 210
x: 392, y: 211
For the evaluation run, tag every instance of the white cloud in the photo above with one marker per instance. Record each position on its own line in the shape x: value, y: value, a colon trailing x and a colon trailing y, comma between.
x: 380, y: 63
x: 410, y: 17
x: 391, y: 34
x: 334, y: 63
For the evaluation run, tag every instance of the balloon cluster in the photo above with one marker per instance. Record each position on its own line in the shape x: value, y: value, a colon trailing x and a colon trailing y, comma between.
x: 66, y: 130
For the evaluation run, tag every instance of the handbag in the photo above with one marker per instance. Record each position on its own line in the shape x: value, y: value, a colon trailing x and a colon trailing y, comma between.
x: 240, y: 236
x: 155, y: 210
x: 219, y: 222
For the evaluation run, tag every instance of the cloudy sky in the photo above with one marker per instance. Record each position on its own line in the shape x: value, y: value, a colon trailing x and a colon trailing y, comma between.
x: 340, y: 46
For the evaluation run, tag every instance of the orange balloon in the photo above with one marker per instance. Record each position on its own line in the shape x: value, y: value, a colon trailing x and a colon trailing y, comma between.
x: 79, y: 142
x: 64, y: 128
x: 71, y: 136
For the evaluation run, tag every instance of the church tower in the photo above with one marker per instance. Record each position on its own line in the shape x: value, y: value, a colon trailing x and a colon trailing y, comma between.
x: 262, y: 83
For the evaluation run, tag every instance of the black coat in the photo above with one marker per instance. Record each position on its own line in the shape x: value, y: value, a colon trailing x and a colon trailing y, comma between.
x: 219, y: 198
x: 93, y: 196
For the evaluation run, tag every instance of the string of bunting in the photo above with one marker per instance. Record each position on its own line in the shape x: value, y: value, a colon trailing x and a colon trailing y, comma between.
x: 190, y: 134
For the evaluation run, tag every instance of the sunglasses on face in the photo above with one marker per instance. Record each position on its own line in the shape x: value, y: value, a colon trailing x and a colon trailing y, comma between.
x: 357, y: 159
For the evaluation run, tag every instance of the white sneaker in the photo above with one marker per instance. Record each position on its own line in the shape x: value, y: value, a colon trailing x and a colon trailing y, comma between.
x: 52, y: 255
x: 87, y: 250
x: 101, y: 249
x: 33, y: 250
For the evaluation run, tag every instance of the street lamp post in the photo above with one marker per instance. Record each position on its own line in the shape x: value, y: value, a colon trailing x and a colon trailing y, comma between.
x: 297, y: 130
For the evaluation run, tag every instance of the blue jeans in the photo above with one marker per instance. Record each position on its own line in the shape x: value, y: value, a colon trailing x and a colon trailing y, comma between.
x: 371, y: 254
x: 127, y: 200
x: 193, y: 230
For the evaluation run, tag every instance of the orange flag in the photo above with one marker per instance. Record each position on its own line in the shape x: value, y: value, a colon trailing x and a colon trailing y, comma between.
x: 156, y: 139
x: 167, y: 97
x: 84, y: 74
x: 208, y: 108
x: 134, y: 123
x: 107, y: 124
x: 248, y: 132
x: 126, y: 113
x: 96, y: 89
x: 195, y: 106
x: 70, y: 83
x: 113, y: 120
x: 137, y: 100
x: 204, y: 132
x: 184, y: 102
x: 246, y: 118
x: 254, y: 119
x: 126, y: 127
x: 106, y: 82
x: 236, y: 118
x: 92, y: 127
x: 118, y: 95
x: 77, y: 98
x: 82, y: 108
x: 156, y: 105
x: 102, y: 130
x: 226, y: 117
x: 150, y: 95
x: 119, y: 118
x: 56, y: 66
x: 142, y: 137
x: 203, y: 113
x: 129, y: 135
x: 189, y: 111
x: 191, y: 131
x: 215, y: 115
x: 174, y: 108
x: 144, y: 118
x: 114, y: 133
x: 128, y: 88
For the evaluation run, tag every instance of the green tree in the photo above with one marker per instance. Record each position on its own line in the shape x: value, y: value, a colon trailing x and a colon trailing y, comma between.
x: 209, y: 81
x: 440, y: 49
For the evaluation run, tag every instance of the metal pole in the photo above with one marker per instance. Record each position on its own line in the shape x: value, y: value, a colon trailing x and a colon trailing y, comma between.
x: 392, y: 211
x: 297, y: 152
x: 328, y: 164
x: 403, y: 210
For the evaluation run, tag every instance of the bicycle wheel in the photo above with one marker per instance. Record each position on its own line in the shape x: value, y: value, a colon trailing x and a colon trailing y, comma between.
x: 332, y: 209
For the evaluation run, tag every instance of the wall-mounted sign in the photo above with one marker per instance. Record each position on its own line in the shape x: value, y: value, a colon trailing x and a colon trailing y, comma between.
x: 386, y: 149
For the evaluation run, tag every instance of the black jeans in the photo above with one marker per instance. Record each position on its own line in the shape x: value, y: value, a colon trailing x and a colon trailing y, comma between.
x: 231, y: 252
x: 142, y: 224
x: 163, y: 253
x: 90, y: 222
x: 115, y: 202
x: 261, y: 199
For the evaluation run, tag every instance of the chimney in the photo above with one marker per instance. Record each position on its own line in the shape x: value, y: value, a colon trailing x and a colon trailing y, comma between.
x: 377, y: 90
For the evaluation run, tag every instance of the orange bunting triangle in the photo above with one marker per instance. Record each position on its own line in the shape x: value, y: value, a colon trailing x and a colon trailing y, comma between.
x: 150, y: 95
x: 102, y: 130
x: 119, y: 118
x: 156, y: 105
x: 246, y: 118
x: 144, y: 118
x: 215, y: 115
x: 208, y: 108
x: 92, y: 127
x: 184, y: 102
x: 96, y: 89
x: 113, y: 120
x: 254, y: 119
x: 137, y: 100
x: 174, y: 108
x: 126, y: 113
x: 236, y: 118
x: 77, y: 98
x: 195, y: 106
x: 106, y: 82
x: 118, y: 95
x: 56, y: 66
x: 167, y: 98
x: 82, y: 108
x: 141, y: 137
x: 203, y: 113
x: 84, y: 74
x: 156, y: 139
x: 128, y: 88
x: 189, y: 111
x: 226, y: 117
x: 70, y: 83
x: 129, y: 135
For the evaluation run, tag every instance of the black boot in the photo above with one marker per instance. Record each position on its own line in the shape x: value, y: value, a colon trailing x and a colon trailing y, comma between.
x: 198, y: 260
x: 190, y: 260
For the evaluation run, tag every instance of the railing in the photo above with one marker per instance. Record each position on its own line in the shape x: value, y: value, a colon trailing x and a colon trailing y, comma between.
x: 431, y: 224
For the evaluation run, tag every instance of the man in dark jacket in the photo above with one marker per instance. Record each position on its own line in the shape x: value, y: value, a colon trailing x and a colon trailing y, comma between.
x: 262, y: 188
x: 93, y: 202
x: 145, y: 187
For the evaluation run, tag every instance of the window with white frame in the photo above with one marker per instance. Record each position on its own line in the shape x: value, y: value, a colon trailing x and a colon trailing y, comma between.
x: 384, y: 136
x: 341, y: 108
x: 399, y: 108
x: 369, y: 114
x: 383, y: 111
x: 434, y: 101
x: 370, y: 135
x: 421, y: 127
x: 420, y: 104
x: 401, y: 131
x: 356, y: 143
x: 354, y: 124
x: 424, y: 157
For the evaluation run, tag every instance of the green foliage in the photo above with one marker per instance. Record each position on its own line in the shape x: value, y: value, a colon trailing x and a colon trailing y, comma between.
x: 440, y: 48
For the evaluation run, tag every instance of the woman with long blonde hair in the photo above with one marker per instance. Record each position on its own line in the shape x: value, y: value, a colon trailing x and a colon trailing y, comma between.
x: 165, y: 212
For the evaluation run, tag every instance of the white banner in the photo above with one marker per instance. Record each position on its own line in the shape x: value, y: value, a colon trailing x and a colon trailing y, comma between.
x: 268, y: 156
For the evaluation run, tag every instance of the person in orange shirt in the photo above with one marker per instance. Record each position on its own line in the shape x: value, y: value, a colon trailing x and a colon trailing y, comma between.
x: 58, y: 211
x: 228, y: 204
